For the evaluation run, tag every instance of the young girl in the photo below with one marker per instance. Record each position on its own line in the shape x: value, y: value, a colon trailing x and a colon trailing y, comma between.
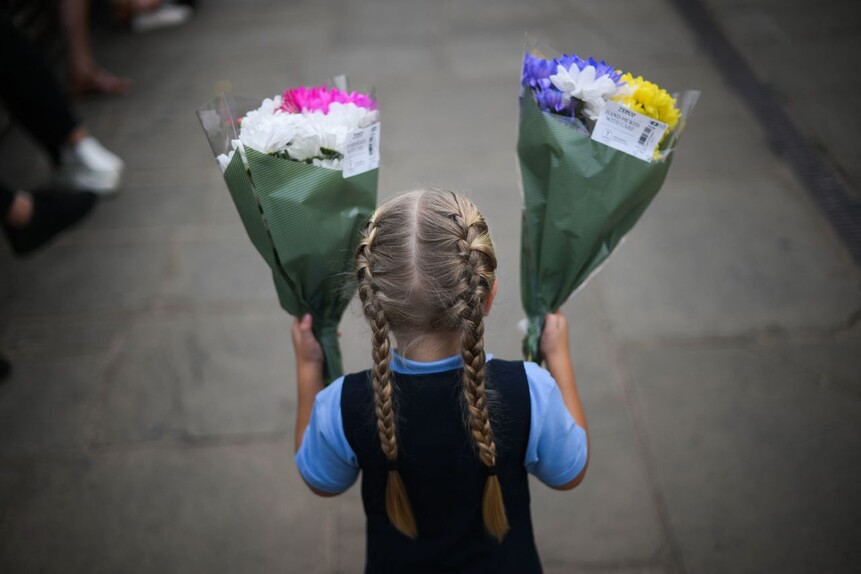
x: 444, y: 435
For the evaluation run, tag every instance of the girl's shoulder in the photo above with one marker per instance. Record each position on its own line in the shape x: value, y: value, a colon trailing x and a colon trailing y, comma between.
x: 537, y: 377
x: 533, y: 383
x: 352, y: 382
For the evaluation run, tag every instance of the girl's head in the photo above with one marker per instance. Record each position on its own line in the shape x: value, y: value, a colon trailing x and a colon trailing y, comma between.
x: 426, y: 266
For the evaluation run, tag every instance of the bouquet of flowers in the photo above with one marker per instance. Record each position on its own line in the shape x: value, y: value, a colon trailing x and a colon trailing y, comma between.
x: 302, y: 168
x: 594, y: 148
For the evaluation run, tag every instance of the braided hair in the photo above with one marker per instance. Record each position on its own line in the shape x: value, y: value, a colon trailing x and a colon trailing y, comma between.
x: 426, y: 263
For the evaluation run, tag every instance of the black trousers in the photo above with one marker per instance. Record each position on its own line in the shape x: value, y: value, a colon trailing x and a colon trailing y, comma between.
x: 6, y: 198
x: 29, y: 91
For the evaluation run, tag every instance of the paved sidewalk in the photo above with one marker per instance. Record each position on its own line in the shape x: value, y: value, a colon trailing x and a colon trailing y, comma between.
x: 148, y: 425
x: 805, y: 52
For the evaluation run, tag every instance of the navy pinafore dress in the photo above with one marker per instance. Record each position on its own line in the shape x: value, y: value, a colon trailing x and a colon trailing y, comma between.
x: 442, y: 473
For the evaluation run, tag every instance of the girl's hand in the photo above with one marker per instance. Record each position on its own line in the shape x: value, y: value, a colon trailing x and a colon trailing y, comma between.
x: 309, y: 372
x: 308, y: 350
x: 554, y: 346
x: 554, y: 339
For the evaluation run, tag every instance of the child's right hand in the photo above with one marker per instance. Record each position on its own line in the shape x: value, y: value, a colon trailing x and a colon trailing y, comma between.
x: 308, y: 350
x: 554, y: 338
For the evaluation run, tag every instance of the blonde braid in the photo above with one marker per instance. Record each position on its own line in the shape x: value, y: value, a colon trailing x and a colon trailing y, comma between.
x: 398, y: 505
x: 479, y: 262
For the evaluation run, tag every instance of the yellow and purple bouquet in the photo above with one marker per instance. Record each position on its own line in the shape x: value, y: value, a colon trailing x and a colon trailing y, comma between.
x: 594, y: 146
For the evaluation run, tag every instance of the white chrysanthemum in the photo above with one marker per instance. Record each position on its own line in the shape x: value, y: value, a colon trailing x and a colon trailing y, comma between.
x: 593, y: 108
x: 303, y: 136
x: 327, y: 163
x: 237, y: 146
x: 334, y: 138
x: 306, y: 145
x: 267, y: 129
x: 224, y: 160
x: 350, y: 116
x: 584, y: 86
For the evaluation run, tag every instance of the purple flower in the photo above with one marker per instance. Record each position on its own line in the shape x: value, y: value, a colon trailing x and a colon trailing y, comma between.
x: 552, y: 100
x: 536, y: 72
x: 568, y: 60
x: 536, y: 77
x: 601, y: 68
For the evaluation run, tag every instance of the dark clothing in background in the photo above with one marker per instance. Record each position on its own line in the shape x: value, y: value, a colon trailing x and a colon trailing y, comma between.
x: 7, y: 196
x: 29, y: 92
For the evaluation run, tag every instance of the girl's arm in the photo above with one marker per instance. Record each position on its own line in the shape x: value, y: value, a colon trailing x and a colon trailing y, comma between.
x: 557, y: 354
x: 309, y: 380
x: 309, y: 373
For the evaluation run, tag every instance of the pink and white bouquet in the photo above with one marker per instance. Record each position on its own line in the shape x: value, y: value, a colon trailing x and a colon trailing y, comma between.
x: 304, y: 182
x: 305, y: 124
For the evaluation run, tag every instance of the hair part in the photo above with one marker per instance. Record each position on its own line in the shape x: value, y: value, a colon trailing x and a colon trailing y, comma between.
x: 426, y: 263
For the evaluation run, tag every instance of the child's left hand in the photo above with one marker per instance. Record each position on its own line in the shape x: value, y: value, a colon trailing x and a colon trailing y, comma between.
x: 308, y: 350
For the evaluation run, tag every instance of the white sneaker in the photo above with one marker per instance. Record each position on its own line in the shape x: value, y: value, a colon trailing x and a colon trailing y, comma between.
x: 165, y: 16
x: 88, y: 166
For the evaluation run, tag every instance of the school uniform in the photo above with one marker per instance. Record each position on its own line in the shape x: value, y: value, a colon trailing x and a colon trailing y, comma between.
x: 444, y: 479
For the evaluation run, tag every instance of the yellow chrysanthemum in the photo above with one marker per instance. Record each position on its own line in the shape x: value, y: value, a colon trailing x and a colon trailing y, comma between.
x: 650, y: 100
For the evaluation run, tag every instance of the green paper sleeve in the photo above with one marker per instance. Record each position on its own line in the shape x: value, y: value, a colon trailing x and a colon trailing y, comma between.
x: 304, y: 221
x: 580, y: 199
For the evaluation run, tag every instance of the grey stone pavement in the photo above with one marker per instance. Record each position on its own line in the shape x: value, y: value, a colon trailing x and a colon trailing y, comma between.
x: 148, y: 424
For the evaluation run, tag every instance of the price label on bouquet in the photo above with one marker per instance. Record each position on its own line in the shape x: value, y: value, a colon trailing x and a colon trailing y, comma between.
x: 362, y: 152
x: 628, y: 131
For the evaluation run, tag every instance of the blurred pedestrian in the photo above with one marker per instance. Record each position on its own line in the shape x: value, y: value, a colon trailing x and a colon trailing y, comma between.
x: 86, y: 76
x: 31, y: 219
x: 34, y: 100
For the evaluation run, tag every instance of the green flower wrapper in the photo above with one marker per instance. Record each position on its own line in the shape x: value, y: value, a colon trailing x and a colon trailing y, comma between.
x: 580, y: 199
x: 304, y: 221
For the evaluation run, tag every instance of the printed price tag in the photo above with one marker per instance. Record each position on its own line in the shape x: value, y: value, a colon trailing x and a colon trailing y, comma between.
x: 362, y: 152
x: 628, y: 131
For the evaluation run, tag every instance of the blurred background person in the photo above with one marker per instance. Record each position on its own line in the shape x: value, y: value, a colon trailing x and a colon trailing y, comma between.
x: 86, y: 76
x: 33, y: 99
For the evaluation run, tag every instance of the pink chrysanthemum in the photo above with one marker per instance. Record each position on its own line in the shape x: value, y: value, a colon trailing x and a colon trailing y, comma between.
x: 304, y: 99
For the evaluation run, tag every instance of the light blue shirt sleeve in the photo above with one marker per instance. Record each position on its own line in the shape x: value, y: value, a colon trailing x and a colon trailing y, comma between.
x: 325, y: 459
x: 557, y: 449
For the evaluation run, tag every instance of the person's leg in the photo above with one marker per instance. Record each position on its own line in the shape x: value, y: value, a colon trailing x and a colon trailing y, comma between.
x: 31, y: 220
x: 33, y: 99
x: 7, y: 198
x: 5, y: 369
x: 19, y: 207
x: 29, y: 91
x: 86, y: 76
